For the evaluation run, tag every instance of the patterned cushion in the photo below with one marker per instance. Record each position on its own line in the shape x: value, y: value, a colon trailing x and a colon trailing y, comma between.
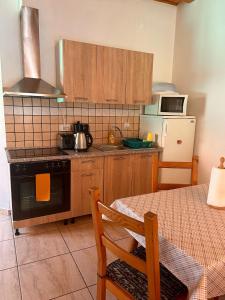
x: 135, y: 282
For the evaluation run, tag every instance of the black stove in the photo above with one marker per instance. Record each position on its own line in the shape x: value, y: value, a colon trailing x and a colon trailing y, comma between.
x: 38, y: 152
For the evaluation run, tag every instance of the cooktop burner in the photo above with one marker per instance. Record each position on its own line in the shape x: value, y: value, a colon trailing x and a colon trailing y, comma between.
x: 38, y: 152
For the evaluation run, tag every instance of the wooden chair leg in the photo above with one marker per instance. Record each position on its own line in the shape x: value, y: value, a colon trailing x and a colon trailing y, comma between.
x: 101, y: 289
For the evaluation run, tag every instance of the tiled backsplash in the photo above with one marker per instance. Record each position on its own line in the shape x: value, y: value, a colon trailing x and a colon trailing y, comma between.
x: 34, y: 122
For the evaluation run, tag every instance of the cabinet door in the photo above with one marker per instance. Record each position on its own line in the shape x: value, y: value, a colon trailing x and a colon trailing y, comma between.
x: 117, y: 178
x: 141, y: 173
x: 111, y: 77
x: 80, y: 184
x: 139, y: 77
x: 79, y: 70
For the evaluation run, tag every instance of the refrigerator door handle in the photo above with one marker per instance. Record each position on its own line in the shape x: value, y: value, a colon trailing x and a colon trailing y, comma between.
x: 164, y: 133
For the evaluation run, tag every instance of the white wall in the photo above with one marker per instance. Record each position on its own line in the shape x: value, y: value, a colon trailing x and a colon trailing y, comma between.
x: 143, y: 25
x: 199, y: 70
x: 5, y: 191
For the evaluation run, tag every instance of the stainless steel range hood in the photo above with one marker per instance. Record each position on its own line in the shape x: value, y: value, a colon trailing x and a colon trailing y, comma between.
x: 32, y: 85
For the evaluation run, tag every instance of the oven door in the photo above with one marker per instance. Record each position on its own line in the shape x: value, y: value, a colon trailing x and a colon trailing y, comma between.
x: 24, y: 204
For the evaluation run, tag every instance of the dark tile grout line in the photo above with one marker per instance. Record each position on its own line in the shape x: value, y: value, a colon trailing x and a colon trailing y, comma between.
x: 75, y: 262
x: 86, y: 288
x: 69, y: 252
x: 18, y: 273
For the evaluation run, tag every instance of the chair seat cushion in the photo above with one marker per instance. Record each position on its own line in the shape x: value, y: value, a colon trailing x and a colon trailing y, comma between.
x: 136, y: 283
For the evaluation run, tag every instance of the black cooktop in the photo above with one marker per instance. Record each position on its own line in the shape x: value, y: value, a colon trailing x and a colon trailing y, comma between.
x: 38, y: 152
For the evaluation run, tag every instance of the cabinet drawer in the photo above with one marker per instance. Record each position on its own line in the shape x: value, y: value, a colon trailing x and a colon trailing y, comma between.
x: 85, y: 164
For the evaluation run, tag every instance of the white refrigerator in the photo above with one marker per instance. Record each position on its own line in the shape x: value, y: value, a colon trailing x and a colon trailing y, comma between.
x: 176, y: 136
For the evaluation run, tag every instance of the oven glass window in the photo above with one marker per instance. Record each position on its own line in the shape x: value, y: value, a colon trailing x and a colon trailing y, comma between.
x: 172, y: 104
x: 28, y: 195
x: 24, y: 200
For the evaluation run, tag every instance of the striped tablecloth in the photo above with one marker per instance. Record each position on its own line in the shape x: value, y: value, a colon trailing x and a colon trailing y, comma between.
x: 191, y: 236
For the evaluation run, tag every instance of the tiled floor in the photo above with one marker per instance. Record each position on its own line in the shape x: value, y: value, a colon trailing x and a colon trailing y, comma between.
x: 51, y: 261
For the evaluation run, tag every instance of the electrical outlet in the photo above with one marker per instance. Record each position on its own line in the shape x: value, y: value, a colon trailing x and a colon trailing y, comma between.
x: 64, y: 127
x: 126, y: 125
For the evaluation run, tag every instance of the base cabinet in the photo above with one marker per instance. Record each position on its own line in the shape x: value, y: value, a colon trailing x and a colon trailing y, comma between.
x: 141, y: 174
x: 82, y: 182
x: 117, y: 178
x: 85, y: 173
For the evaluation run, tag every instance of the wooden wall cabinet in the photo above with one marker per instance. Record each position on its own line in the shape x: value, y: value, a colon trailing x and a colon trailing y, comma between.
x: 117, y: 178
x: 85, y: 174
x: 139, y: 77
x: 77, y: 70
x: 100, y: 74
x: 111, y: 75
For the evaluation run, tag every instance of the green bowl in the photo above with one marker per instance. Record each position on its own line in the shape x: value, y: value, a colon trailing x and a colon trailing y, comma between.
x: 137, y: 143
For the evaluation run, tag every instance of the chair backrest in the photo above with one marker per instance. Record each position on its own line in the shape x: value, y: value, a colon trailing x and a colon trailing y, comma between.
x: 156, y: 165
x: 149, y: 229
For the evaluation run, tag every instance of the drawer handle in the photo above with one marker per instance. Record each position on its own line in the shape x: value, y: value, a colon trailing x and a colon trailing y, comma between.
x: 81, y: 98
x: 179, y: 142
x: 87, y: 161
x: 119, y: 158
x: 111, y: 100
x: 87, y: 175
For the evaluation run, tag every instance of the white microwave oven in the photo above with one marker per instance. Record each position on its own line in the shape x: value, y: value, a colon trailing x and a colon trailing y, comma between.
x: 167, y: 105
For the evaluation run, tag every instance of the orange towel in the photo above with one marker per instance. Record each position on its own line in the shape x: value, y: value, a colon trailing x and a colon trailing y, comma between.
x: 43, y: 187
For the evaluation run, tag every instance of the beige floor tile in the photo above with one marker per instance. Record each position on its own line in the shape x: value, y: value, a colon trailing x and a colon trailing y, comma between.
x: 6, y: 230
x: 36, y: 229
x: 50, y: 278
x: 35, y: 247
x: 78, y: 236
x: 79, y: 295
x: 86, y: 261
x: 9, y: 284
x: 93, y: 290
x: 7, y: 255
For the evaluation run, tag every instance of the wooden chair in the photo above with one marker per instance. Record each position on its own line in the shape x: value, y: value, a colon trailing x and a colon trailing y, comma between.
x: 136, y: 275
x: 156, y: 165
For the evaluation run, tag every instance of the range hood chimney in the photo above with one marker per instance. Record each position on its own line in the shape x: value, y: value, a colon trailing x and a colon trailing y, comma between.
x: 32, y: 85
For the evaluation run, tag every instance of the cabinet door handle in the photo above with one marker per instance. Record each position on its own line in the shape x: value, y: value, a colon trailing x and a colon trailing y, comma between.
x: 87, y: 161
x: 146, y: 156
x: 111, y: 100
x: 87, y: 175
x: 139, y: 101
x: 119, y: 158
x: 81, y: 98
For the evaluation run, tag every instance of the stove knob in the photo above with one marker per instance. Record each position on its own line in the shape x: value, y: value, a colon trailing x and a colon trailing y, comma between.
x: 17, y: 168
x: 24, y: 168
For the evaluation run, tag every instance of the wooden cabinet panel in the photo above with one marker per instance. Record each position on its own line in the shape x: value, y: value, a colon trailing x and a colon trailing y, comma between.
x: 139, y: 77
x: 117, y: 178
x: 79, y: 70
x: 80, y: 183
x: 85, y: 164
x: 111, y: 77
x: 141, y: 173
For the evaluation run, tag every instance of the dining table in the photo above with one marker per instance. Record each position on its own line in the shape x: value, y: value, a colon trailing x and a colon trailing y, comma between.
x: 191, y: 236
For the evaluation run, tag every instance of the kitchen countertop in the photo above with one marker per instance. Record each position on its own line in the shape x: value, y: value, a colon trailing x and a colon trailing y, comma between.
x: 71, y: 154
